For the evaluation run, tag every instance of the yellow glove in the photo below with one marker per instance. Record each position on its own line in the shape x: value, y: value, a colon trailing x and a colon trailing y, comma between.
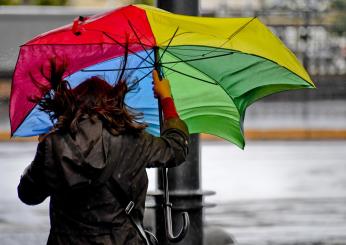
x: 161, y: 88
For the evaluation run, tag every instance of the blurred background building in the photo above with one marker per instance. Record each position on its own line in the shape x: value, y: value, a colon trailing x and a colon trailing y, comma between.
x: 315, y: 30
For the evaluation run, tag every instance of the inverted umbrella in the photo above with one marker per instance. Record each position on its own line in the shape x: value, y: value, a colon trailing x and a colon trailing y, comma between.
x: 217, y: 66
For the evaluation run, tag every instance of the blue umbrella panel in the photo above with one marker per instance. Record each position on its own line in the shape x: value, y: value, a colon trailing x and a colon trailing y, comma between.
x: 140, y: 98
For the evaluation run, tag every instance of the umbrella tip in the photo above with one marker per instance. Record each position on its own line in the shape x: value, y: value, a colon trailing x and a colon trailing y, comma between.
x: 76, y: 25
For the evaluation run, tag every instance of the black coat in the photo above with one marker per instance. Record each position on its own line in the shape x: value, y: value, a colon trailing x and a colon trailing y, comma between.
x: 83, y: 213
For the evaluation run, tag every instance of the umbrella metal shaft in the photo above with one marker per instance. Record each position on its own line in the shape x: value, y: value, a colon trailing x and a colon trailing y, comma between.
x: 185, y: 178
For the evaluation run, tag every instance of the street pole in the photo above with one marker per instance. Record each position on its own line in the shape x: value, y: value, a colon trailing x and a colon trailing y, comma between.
x: 190, y: 7
x: 185, y: 180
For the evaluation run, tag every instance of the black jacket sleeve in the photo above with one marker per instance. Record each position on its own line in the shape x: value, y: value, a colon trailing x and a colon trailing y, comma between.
x: 31, y: 189
x: 171, y: 148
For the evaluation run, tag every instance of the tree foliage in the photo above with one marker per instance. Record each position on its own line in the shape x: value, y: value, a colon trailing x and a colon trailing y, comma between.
x: 50, y: 2
x: 339, y: 21
x: 339, y: 5
x: 33, y: 2
x: 147, y: 2
x: 9, y: 2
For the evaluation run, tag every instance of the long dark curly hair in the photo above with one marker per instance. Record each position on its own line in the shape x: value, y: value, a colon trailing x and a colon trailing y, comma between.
x: 93, y: 98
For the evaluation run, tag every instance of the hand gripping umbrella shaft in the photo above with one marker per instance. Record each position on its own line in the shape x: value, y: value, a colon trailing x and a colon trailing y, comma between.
x: 167, y: 206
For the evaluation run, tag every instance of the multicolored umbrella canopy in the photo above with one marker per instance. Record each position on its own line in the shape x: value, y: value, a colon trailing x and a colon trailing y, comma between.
x: 217, y: 66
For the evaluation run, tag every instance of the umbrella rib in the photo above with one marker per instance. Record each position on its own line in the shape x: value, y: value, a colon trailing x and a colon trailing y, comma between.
x: 197, y: 59
x: 128, y: 19
x: 169, y: 43
x: 200, y: 48
x: 216, y: 82
x: 142, y: 77
x: 117, y: 69
x: 127, y: 69
x: 183, y: 33
x: 122, y: 45
x: 241, y: 28
x: 78, y: 44
x: 138, y: 68
x: 139, y: 40
x: 228, y: 39
x: 180, y: 34
x: 124, y: 64
x: 118, y: 35
x: 182, y: 52
x: 233, y: 34
x: 187, y: 75
x: 174, y: 64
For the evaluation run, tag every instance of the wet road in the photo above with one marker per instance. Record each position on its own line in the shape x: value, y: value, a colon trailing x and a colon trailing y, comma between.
x: 285, y: 193
x: 280, y: 193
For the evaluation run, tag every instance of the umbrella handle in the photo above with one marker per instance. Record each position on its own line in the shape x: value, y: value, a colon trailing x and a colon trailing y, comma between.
x: 169, y: 227
x: 167, y: 211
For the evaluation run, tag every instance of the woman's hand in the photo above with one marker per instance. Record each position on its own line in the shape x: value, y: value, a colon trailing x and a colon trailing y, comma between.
x: 161, y: 88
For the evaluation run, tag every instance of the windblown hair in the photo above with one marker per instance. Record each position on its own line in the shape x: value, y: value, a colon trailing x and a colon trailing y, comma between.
x: 93, y: 98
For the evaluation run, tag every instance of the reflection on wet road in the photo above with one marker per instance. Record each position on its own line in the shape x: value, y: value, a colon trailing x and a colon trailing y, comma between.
x: 280, y: 193
x: 270, y: 193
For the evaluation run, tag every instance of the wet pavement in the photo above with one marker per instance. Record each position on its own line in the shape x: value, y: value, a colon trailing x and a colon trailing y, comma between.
x: 280, y: 193
x: 273, y: 192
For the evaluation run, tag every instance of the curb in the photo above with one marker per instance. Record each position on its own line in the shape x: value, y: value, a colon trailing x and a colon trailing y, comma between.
x: 288, y: 134
x: 250, y: 134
